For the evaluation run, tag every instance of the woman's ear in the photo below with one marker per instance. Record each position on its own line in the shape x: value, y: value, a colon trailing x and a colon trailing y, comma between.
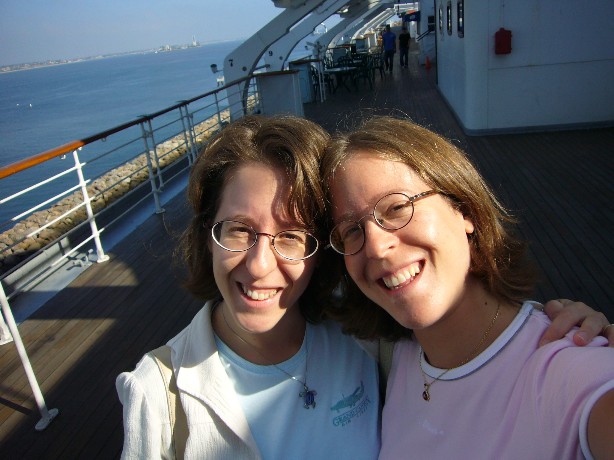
x: 469, y: 228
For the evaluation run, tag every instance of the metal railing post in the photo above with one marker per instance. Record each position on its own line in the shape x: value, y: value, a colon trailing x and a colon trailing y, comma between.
x: 188, y: 133
x: 258, y: 99
x: 196, y: 146
x: 154, y: 149
x: 47, y: 415
x: 152, y: 180
x: 102, y: 257
x: 219, y: 115
x: 320, y: 68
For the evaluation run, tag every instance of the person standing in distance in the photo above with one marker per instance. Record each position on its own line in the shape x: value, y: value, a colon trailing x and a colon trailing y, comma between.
x: 389, y: 45
x: 404, y: 47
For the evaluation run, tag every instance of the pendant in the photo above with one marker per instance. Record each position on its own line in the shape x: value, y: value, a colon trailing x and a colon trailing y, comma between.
x: 425, y: 394
x: 309, y: 397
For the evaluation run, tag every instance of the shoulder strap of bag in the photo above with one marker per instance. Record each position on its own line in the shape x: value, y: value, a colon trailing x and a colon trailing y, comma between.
x: 178, y: 421
x: 385, y: 362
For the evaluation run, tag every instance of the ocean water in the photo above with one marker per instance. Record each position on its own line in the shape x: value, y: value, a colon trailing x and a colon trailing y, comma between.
x: 50, y: 106
x: 46, y: 107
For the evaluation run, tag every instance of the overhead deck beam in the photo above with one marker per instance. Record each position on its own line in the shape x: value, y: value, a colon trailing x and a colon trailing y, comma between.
x: 359, y: 26
x: 244, y: 59
x: 324, y: 40
x: 352, y: 17
x: 373, y: 22
x: 277, y: 54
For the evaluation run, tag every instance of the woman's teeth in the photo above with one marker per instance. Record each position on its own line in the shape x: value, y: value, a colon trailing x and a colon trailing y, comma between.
x: 258, y: 295
x: 402, y: 276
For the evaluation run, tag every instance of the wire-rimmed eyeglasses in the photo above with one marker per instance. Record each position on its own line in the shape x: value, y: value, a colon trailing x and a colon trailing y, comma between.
x: 237, y: 236
x: 391, y: 212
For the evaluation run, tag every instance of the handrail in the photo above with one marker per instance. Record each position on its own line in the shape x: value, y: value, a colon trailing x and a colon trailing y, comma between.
x: 21, y: 165
x: 423, y: 34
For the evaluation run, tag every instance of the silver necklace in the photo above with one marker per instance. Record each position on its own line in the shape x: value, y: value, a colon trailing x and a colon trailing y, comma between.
x: 426, y: 395
x: 308, y: 394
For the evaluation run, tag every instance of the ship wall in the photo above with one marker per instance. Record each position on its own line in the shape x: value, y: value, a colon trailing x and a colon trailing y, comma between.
x: 558, y: 74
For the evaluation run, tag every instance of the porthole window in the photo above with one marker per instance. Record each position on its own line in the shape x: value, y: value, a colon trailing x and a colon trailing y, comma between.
x: 440, y: 18
x: 460, y: 18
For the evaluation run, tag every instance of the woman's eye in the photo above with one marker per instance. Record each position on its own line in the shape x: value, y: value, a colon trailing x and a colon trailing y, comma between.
x: 350, y: 232
x: 398, y: 209
x: 238, y: 231
x: 288, y: 237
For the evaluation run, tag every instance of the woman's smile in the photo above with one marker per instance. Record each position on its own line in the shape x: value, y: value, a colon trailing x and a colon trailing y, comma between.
x: 402, y: 277
x: 258, y: 294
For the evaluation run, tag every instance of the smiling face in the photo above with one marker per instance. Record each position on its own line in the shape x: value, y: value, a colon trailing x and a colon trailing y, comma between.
x: 419, y: 272
x: 259, y: 288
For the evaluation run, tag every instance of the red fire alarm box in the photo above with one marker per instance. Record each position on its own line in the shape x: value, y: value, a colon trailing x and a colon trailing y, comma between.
x: 503, y: 41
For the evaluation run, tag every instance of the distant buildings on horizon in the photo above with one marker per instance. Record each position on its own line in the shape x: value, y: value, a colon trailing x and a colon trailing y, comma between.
x: 53, y: 62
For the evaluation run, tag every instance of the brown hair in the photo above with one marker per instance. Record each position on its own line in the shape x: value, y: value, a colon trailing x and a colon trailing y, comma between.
x: 498, y: 259
x: 292, y: 144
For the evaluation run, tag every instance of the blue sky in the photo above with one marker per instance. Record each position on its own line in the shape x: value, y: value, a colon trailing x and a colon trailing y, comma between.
x: 39, y: 30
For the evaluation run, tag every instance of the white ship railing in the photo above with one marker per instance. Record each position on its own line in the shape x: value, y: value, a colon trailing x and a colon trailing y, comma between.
x: 86, y: 186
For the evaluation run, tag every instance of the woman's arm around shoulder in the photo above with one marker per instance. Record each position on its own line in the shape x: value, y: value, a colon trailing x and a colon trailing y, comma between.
x: 566, y: 314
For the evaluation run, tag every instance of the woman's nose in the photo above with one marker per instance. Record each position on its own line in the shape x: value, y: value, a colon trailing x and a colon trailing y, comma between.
x: 378, y: 240
x: 261, y: 259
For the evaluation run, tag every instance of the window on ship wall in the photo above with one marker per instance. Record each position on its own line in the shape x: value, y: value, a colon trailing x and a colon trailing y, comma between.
x: 449, y: 17
x: 460, y: 18
x: 440, y: 18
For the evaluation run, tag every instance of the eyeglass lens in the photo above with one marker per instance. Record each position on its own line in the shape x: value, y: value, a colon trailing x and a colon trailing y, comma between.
x: 238, y: 236
x: 391, y: 212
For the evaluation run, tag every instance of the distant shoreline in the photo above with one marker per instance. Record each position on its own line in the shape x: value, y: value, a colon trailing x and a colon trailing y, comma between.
x: 57, y: 62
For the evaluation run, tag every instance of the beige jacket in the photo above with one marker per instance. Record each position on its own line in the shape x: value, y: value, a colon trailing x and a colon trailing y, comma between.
x: 217, y: 426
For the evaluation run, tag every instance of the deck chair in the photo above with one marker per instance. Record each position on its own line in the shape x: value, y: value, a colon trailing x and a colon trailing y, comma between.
x: 365, y: 70
x: 329, y: 84
x: 345, y: 61
x: 378, y: 64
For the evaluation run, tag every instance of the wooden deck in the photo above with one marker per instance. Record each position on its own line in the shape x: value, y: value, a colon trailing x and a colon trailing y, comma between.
x: 560, y: 184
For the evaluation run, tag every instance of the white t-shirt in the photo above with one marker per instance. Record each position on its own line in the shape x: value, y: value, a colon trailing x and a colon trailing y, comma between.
x: 514, y: 400
x: 344, y: 423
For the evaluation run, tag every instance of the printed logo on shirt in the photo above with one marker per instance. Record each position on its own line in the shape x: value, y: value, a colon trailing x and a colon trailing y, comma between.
x: 351, y: 406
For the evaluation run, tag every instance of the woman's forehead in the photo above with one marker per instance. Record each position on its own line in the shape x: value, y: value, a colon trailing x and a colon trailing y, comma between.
x: 257, y: 192
x: 365, y: 177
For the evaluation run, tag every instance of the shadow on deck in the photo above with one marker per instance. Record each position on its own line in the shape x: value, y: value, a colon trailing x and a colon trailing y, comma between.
x: 558, y: 183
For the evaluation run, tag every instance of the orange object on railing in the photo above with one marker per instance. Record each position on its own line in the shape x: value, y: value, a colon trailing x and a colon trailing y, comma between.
x: 34, y: 160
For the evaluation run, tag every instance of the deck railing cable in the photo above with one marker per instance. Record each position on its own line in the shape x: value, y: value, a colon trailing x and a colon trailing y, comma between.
x: 423, y: 34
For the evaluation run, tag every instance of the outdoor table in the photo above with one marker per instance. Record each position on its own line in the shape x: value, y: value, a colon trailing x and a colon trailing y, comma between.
x: 341, y: 74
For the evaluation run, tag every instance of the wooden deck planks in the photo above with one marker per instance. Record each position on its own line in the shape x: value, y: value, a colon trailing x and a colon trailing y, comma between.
x: 559, y: 211
x: 114, y: 325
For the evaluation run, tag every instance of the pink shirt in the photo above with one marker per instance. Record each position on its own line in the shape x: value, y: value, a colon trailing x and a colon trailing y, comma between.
x: 512, y: 401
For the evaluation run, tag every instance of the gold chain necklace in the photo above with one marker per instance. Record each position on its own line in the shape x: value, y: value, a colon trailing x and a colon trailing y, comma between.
x: 308, y: 395
x: 426, y: 395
